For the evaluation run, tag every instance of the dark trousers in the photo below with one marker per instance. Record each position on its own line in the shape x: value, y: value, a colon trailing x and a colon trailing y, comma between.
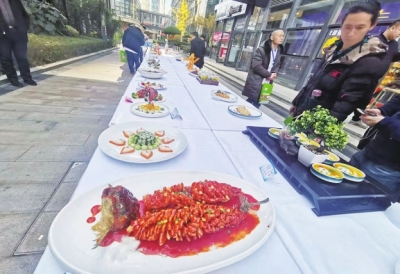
x: 133, y: 61
x: 254, y: 103
x: 141, y: 56
x: 200, y: 63
x: 16, y: 42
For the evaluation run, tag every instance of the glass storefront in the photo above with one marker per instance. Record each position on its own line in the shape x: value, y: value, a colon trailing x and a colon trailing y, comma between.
x: 225, y: 40
x: 217, y: 36
x: 312, y: 13
x: 390, y: 10
x: 247, y: 52
x: 278, y: 16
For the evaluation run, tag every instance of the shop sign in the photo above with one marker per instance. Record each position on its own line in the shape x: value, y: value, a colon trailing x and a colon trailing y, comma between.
x: 222, y: 52
x: 218, y: 35
x: 229, y: 9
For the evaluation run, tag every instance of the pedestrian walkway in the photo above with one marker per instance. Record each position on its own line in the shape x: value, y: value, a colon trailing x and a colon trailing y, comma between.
x: 48, y: 134
x: 282, y: 96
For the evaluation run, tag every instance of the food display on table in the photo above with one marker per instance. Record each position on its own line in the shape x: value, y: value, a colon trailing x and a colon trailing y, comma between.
x: 150, y: 110
x: 154, y: 85
x: 178, y: 221
x: 225, y: 96
x: 332, y: 158
x: 274, y: 132
x: 350, y: 173
x: 244, y: 112
x: 142, y: 144
x: 194, y: 72
x: 207, y: 78
x: 306, y: 141
x: 153, y: 63
x: 192, y: 59
x: 151, y: 73
x: 149, y: 94
x: 327, y: 173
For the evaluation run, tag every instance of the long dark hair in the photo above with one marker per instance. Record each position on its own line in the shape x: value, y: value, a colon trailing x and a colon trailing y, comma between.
x: 369, y: 6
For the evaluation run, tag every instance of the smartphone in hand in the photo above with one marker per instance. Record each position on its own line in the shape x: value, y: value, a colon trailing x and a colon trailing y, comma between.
x: 365, y: 112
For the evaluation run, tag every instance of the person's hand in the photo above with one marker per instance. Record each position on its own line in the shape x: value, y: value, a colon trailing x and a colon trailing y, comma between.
x: 373, y: 111
x: 273, y: 76
x: 292, y: 109
x: 371, y: 120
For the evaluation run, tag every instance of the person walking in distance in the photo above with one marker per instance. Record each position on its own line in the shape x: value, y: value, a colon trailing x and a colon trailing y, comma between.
x: 263, y: 67
x: 133, y: 40
x: 14, y: 26
x: 389, y: 37
x: 203, y: 37
x: 197, y: 47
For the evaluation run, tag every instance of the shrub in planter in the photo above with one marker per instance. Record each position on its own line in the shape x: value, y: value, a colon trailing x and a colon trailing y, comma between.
x: 319, y: 125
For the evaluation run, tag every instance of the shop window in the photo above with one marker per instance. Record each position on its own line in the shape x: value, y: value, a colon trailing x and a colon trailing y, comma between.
x: 301, y: 42
x: 290, y: 70
x: 278, y: 16
x: 312, y: 13
x: 390, y: 10
x: 225, y: 40
x: 256, y: 19
x: 247, y: 52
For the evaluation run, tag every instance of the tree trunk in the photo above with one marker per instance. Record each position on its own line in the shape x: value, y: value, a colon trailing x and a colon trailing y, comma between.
x: 64, y: 4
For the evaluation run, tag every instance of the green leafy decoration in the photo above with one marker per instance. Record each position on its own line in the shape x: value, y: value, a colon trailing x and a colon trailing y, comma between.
x: 320, y: 124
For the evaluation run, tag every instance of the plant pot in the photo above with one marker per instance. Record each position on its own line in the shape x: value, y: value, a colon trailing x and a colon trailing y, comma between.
x: 307, y: 157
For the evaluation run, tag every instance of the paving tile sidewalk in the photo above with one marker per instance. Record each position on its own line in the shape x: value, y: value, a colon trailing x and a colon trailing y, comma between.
x: 282, y: 95
x: 48, y: 134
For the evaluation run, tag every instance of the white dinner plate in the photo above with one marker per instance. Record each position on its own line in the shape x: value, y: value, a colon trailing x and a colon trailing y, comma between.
x: 161, y: 101
x: 232, y: 97
x: 155, y: 87
x: 254, y: 113
x: 164, y: 111
x: 71, y: 238
x: 116, y: 132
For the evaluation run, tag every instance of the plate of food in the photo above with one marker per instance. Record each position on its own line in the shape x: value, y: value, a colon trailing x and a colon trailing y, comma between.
x: 154, y: 85
x: 150, y: 110
x: 223, y: 95
x: 149, y: 94
x: 274, y: 132
x: 151, y: 73
x: 244, y: 112
x: 332, y: 158
x: 142, y: 143
x: 327, y: 173
x: 350, y: 173
x: 177, y: 221
x: 306, y: 142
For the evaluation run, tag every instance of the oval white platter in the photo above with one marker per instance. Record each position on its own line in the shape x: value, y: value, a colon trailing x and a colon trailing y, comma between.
x: 116, y: 132
x: 232, y: 97
x: 71, y: 238
x: 155, y: 87
x: 161, y: 113
x: 254, y: 113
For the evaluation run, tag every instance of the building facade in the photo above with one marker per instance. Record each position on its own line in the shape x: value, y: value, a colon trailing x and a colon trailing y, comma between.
x: 155, y: 22
x: 308, y: 25
x: 123, y: 8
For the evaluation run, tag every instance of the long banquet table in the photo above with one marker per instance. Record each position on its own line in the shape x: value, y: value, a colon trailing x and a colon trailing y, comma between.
x: 301, y: 242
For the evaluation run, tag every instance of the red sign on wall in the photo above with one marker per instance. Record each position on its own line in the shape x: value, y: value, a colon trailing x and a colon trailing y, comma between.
x: 222, y: 52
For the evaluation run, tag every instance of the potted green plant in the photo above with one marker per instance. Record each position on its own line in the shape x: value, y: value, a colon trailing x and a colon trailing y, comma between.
x: 320, y: 126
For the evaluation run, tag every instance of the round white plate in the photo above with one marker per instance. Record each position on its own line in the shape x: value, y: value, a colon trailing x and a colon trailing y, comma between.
x: 161, y: 113
x: 255, y: 113
x: 71, y: 238
x: 192, y: 74
x: 329, y: 180
x: 145, y: 72
x: 232, y: 97
x: 155, y: 87
x: 115, y: 133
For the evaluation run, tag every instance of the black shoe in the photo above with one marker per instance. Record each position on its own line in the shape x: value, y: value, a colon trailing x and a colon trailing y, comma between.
x: 30, y: 82
x: 15, y: 83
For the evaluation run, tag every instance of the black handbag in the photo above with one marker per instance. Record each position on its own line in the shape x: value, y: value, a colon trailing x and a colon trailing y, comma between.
x: 369, y: 135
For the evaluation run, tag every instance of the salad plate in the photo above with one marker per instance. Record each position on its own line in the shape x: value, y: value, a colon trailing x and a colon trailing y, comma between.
x: 223, y: 95
x: 142, y: 143
x: 71, y: 237
x: 327, y: 173
x: 244, y: 112
x: 154, y: 85
x: 149, y: 110
x: 350, y: 173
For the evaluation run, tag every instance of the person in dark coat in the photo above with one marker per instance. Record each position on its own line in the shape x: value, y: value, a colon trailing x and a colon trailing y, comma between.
x: 264, y: 66
x: 351, y: 68
x: 133, y: 39
x: 380, y: 159
x: 197, y: 47
x: 14, y: 26
x: 388, y: 37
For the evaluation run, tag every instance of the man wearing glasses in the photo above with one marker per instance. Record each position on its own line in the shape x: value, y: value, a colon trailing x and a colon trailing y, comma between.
x: 389, y: 37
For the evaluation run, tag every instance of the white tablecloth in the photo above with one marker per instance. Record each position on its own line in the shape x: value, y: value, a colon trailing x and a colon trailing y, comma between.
x: 302, y: 242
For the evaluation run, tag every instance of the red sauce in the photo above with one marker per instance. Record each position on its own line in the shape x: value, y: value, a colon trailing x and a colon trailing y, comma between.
x: 91, y: 220
x: 113, y: 237
x: 94, y: 210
